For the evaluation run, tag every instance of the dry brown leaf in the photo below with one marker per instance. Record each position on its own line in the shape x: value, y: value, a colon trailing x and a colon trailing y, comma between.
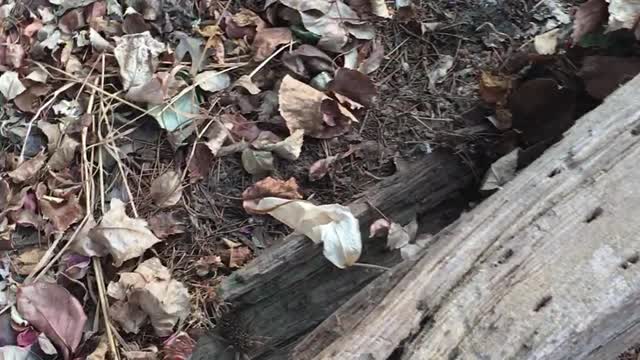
x: 121, y: 236
x: 62, y: 213
x: 15, y: 55
x: 589, y: 16
x: 494, y: 89
x: 243, y: 24
x: 28, y: 169
x: 307, y: 60
x: 239, y: 256
x: 26, y: 261
x: 270, y: 187
x: 379, y: 8
x: 306, y: 108
x: 267, y: 40
x: 64, y: 154
x: 50, y: 308
x: 137, y: 56
x: 151, y: 290
x: 71, y: 21
x: 164, y: 225
x: 246, y: 83
x: 166, y: 189
x: 320, y: 168
x: 354, y: 85
x: 379, y: 228
x: 289, y: 148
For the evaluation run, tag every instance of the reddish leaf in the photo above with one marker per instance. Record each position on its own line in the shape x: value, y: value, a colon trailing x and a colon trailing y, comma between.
x: 52, y: 310
x: 354, y: 85
x: 589, y: 16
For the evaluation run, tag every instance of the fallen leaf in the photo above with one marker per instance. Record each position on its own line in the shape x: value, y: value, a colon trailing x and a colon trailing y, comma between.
x: 15, y: 55
x: 494, y: 89
x: 137, y: 56
x: 10, y: 85
x: 192, y: 46
x: 246, y: 83
x: 50, y: 308
x: 178, y: 346
x: 320, y: 168
x: 98, y: 42
x: 379, y: 228
x: 267, y: 40
x: 26, y: 261
x: 602, y: 75
x: 546, y: 44
x: 439, y: 70
x: 166, y: 190
x: 213, y: 81
x: 100, y: 352
x: 164, y: 225
x: 61, y: 212
x: 243, y: 24
x: 64, y: 154
x: 178, y: 114
x: 379, y: 8
x: 71, y: 21
x: 151, y: 289
x: 355, y: 86
x: 134, y: 23
x: 589, y: 16
x: 257, y: 162
x: 119, y: 235
x: 12, y: 352
x: 306, y: 108
x: 207, y: 264
x: 501, y: 172
x: 241, y: 129
x: 289, y: 148
x: 400, y: 236
x: 270, y: 187
x: 46, y: 345
x: 373, y: 62
x: 128, y: 315
x: 239, y: 256
x: 307, y: 60
x: 623, y: 14
x: 217, y: 134
x: 28, y: 169
x: 333, y: 225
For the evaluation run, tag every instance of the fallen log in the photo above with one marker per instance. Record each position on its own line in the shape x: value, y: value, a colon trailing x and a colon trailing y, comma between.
x: 291, y: 287
x: 546, y: 268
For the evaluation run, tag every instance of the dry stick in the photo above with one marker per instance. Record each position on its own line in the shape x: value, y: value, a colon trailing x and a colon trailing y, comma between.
x: 97, y: 265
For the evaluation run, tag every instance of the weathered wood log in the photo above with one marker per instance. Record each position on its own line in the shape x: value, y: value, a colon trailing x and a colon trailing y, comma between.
x: 546, y: 268
x: 291, y: 288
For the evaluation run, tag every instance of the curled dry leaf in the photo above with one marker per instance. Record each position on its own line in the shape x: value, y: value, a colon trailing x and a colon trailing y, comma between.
x: 379, y: 228
x: 166, y: 190
x: 289, y: 148
x: 213, y: 81
x: 353, y: 86
x: 28, y: 169
x: 239, y: 256
x: 306, y: 108
x: 61, y: 212
x: 494, y: 89
x: 333, y: 225
x: 246, y: 83
x: 164, y: 225
x: 257, y: 162
x: 267, y: 40
x: 623, y: 14
x: 546, y: 44
x: 152, y: 291
x: 270, y: 187
x: 51, y: 309
x: 501, y: 172
x: 137, y: 56
x: 400, y: 236
x: 10, y: 85
x: 320, y: 168
x: 589, y: 16
x: 178, y: 347
x: 26, y: 261
x: 307, y: 60
x: 379, y: 8
x: 119, y: 235
x: 98, y: 42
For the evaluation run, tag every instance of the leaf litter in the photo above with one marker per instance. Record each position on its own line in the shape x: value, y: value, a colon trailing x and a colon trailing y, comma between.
x: 142, y: 140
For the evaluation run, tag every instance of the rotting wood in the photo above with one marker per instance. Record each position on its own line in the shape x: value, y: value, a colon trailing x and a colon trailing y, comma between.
x: 546, y: 268
x: 291, y: 287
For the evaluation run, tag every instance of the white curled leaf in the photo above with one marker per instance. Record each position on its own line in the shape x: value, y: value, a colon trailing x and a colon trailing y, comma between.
x: 333, y: 225
x: 213, y: 81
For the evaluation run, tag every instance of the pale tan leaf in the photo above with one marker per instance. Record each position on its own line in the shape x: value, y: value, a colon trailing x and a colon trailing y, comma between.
x: 28, y: 169
x: 267, y: 40
x: 334, y: 225
x: 123, y: 237
x: 10, y: 85
x: 137, y: 56
x: 289, y: 148
x: 166, y: 189
x: 152, y: 291
x: 546, y: 44
x: 501, y: 172
x: 257, y: 162
x: 213, y: 81
x: 379, y: 8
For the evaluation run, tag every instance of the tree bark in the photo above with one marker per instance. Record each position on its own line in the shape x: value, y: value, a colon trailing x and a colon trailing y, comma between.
x: 291, y: 288
x: 546, y: 268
